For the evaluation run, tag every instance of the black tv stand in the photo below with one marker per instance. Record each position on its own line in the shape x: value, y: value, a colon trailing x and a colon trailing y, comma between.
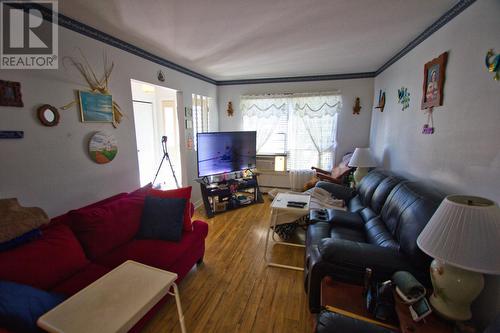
x: 229, y: 194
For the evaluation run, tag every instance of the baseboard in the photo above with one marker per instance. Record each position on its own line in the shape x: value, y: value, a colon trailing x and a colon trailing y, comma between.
x: 266, y: 189
x: 197, y: 204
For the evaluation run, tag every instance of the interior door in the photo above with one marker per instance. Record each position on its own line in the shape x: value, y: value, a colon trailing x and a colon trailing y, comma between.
x: 144, y: 134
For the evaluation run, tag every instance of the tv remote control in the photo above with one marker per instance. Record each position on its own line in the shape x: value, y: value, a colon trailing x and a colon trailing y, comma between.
x: 298, y: 202
x: 294, y: 205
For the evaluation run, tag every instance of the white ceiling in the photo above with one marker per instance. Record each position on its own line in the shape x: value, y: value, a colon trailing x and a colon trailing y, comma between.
x: 244, y: 39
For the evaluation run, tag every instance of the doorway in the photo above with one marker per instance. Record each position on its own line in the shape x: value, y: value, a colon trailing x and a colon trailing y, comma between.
x: 155, y: 116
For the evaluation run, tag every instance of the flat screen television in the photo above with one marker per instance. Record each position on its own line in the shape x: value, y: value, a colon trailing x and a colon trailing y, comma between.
x: 222, y: 152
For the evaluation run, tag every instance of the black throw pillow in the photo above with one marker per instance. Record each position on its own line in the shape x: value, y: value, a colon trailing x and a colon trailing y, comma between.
x: 162, y: 218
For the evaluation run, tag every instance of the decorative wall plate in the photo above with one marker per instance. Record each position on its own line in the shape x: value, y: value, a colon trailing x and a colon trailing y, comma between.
x: 103, y: 147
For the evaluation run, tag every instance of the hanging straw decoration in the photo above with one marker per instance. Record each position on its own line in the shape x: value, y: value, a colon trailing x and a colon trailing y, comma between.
x: 96, y: 85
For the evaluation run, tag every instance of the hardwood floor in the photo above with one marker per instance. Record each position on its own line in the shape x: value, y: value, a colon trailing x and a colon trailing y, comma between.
x: 234, y: 291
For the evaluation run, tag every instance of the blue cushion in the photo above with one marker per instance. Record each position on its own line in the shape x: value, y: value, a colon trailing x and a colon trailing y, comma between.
x: 21, y: 305
x: 20, y: 240
x: 162, y: 218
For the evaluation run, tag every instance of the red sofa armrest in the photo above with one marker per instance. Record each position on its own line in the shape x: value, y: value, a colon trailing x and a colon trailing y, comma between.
x: 201, y: 227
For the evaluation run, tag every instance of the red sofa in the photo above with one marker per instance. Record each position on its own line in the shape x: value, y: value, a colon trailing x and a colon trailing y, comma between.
x: 79, y: 247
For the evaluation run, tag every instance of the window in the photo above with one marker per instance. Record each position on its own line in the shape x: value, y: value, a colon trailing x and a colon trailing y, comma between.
x: 277, y: 141
x: 200, y: 116
x: 303, y: 126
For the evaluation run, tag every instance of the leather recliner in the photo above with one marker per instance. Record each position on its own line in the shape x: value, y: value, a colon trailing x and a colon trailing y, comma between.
x: 378, y: 231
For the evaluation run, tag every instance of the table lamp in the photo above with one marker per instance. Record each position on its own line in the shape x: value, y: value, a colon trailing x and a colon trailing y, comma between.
x: 361, y: 159
x: 463, y: 237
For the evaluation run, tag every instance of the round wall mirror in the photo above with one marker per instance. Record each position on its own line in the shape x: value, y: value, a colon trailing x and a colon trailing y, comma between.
x: 48, y: 115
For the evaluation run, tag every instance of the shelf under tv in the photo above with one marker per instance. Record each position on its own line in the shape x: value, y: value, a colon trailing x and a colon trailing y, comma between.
x: 229, y: 195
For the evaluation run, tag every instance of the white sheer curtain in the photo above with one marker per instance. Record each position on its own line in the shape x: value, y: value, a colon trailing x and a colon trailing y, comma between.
x: 263, y: 114
x: 308, y: 122
x: 314, y: 127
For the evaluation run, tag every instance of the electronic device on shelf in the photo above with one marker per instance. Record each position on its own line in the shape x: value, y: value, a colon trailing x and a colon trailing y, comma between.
x: 221, y: 158
x: 226, y: 152
x: 420, y: 309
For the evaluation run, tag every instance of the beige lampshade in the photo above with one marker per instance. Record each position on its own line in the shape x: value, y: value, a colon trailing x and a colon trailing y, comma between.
x: 464, y: 232
x: 362, y: 157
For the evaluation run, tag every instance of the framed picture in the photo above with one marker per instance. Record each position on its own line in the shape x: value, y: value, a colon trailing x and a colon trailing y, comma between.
x: 189, y: 141
x: 189, y: 123
x: 434, y: 76
x: 95, y: 107
x: 10, y: 94
x: 188, y: 112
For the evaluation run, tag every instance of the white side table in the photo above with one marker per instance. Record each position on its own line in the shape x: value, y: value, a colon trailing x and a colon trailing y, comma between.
x: 281, y: 213
x: 113, y: 303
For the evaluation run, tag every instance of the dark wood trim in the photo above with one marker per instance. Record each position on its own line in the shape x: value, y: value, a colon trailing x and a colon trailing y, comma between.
x: 442, y: 21
x: 96, y: 34
x: 329, y: 77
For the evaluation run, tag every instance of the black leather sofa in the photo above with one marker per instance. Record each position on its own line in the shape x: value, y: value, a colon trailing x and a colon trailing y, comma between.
x: 379, y: 231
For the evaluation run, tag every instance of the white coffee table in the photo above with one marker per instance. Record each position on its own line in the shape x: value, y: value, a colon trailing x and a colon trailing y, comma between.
x: 115, y: 302
x: 281, y: 213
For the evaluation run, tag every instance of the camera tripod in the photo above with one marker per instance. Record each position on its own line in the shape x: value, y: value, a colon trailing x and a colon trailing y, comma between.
x: 165, y: 157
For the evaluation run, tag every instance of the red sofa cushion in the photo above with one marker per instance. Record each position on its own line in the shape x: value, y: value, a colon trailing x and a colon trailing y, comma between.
x: 142, y: 191
x: 100, y: 229
x: 156, y: 253
x: 66, y: 219
x: 81, y: 279
x: 181, y: 193
x: 45, y: 262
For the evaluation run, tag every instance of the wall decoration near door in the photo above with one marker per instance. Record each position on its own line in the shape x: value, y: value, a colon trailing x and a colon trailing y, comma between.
x: 103, y: 147
x: 434, y: 76
x: 493, y: 64
x: 48, y: 115
x: 357, y: 107
x: 10, y: 94
x: 230, y: 111
x: 404, y: 98
x: 381, y: 101
x: 97, y: 86
x: 189, y: 141
x: 429, y: 126
x: 161, y: 76
x: 188, y: 112
x: 11, y: 134
x: 96, y: 107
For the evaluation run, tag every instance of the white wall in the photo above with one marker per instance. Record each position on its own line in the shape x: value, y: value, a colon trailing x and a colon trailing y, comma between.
x: 353, y: 130
x: 463, y: 155
x: 50, y: 167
